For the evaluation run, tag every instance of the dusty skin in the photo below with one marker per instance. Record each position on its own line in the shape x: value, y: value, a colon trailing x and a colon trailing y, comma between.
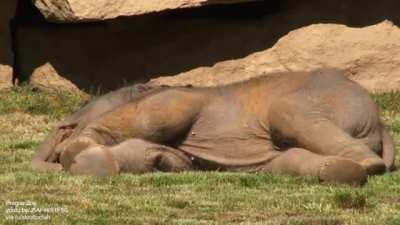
x: 308, y: 123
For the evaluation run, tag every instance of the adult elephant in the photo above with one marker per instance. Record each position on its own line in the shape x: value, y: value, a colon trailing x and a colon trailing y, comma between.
x: 307, y: 123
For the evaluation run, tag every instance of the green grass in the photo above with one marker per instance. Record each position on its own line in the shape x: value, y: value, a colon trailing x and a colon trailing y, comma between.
x: 389, y: 101
x: 25, y: 100
x: 187, y: 198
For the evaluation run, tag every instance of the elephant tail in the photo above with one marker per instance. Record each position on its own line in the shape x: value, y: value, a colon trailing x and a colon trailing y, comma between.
x: 388, y: 150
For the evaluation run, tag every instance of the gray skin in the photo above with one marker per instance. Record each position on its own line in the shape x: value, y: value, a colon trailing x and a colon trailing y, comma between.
x: 309, y: 124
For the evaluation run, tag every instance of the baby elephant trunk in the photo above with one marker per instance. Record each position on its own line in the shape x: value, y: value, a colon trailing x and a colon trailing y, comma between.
x: 388, y: 150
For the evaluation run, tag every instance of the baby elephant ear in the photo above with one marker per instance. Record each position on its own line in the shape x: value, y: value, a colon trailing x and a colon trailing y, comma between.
x: 96, y: 161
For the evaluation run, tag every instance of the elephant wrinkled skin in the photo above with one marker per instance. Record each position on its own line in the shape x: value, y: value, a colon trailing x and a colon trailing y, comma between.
x: 307, y: 123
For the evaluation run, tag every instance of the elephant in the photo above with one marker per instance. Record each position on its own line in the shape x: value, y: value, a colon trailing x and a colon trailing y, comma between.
x: 318, y: 123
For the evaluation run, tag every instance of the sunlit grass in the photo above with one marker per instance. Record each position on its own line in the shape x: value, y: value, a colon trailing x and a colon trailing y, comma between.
x: 25, y: 100
x: 185, y: 198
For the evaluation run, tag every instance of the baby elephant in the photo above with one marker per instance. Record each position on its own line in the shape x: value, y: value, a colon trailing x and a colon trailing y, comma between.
x: 307, y: 123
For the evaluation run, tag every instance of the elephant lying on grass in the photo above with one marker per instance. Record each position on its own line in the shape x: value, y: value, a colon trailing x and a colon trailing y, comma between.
x: 310, y: 123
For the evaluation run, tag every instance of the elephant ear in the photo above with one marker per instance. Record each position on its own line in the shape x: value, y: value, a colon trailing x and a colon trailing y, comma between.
x: 230, y: 151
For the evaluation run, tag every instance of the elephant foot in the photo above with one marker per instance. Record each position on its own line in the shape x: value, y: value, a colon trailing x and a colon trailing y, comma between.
x: 95, y: 161
x: 373, y: 166
x: 68, y: 155
x: 342, y: 171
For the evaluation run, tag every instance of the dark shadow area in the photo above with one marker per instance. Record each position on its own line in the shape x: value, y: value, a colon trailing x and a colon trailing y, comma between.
x: 7, y: 12
x: 125, y: 50
x: 14, y: 44
x: 238, y: 11
x: 25, y: 14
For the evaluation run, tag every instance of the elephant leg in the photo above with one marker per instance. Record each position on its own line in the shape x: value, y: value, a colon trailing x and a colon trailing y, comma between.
x: 132, y: 156
x: 137, y: 156
x: 158, y: 118
x: 69, y: 150
x: 95, y: 160
x: 331, y: 169
x: 320, y: 135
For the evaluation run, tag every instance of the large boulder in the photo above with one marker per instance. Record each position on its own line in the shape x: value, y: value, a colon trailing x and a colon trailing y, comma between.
x: 96, y: 10
x: 47, y: 78
x: 369, y: 55
x: 108, y: 54
x: 7, y: 10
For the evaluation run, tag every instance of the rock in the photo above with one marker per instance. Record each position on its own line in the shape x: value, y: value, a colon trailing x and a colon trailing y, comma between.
x: 369, y: 55
x: 47, y: 78
x: 111, y: 54
x: 6, y: 76
x: 7, y: 10
x: 95, y: 10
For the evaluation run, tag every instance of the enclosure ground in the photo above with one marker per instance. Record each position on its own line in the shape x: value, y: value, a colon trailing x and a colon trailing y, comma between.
x: 27, y: 116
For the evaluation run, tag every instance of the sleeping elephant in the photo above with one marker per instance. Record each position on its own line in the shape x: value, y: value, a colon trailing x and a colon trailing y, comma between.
x: 306, y: 123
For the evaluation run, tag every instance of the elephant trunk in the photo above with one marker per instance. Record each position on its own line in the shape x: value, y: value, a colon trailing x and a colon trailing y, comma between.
x: 388, y: 150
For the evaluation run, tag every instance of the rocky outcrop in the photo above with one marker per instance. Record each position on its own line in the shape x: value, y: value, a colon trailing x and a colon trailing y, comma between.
x: 109, y: 54
x: 369, y: 55
x: 7, y: 10
x: 6, y: 76
x: 112, y: 54
x: 46, y: 78
x: 96, y: 10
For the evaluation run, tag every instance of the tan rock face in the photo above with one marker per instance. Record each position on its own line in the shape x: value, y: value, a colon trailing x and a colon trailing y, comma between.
x: 107, y: 55
x: 6, y: 76
x: 7, y: 10
x: 94, y: 10
x: 47, y: 78
x: 369, y: 55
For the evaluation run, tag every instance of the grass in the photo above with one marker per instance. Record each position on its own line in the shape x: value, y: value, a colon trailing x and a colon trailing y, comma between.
x: 26, y: 100
x: 188, y: 198
x: 350, y: 200
x: 389, y: 101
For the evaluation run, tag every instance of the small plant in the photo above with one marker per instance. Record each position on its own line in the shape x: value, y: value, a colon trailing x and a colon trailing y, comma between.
x: 177, y: 203
x: 350, y: 200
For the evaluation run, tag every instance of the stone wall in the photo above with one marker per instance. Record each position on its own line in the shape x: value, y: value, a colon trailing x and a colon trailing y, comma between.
x: 112, y: 53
